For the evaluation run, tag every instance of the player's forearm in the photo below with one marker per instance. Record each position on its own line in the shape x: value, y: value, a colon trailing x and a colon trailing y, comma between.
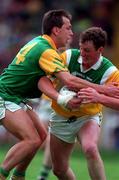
x: 46, y: 86
x: 77, y: 83
x: 109, y: 102
x: 99, y: 88
x: 81, y: 83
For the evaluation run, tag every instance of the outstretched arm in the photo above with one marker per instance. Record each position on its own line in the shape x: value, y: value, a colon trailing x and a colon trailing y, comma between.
x: 46, y: 86
x: 76, y: 83
x: 90, y: 95
x: 66, y: 101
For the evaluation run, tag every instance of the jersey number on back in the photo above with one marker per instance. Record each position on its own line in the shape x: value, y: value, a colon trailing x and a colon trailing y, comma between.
x: 21, y: 55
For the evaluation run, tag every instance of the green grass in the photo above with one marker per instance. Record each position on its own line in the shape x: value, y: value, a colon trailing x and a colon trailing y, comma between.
x: 78, y: 164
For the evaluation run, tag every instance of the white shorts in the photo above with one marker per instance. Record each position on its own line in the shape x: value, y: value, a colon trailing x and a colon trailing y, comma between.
x: 11, y: 106
x: 66, y: 128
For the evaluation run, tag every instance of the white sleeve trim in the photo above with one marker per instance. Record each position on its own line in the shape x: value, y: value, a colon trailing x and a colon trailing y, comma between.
x: 107, y: 74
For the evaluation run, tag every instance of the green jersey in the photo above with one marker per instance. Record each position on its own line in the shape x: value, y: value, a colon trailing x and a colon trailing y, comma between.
x: 98, y: 73
x: 101, y: 72
x: 20, y: 80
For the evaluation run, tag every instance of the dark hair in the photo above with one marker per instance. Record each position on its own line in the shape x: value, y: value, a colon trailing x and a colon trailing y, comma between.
x: 53, y: 18
x: 95, y: 34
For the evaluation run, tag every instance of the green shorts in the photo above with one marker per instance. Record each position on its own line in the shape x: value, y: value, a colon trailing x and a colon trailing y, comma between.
x: 66, y: 128
x: 11, y: 106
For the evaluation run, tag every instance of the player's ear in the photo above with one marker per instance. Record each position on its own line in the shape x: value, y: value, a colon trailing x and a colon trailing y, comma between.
x: 55, y: 30
x: 101, y: 49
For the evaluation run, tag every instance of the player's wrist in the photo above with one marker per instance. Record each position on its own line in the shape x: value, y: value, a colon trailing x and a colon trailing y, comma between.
x: 103, y: 89
x: 65, y: 95
x: 63, y: 100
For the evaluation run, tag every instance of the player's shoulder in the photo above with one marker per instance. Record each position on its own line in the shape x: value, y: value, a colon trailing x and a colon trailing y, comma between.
x: 106, y: 60
x: 106, y: 63
x: 72, y: 50
x: 72, y: 53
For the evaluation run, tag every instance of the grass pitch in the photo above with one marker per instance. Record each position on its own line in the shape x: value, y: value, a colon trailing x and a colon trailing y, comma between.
x: 78, y: 164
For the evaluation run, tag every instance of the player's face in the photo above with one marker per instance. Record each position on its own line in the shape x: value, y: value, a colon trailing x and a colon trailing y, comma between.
x: 65, y: 33
x: 89, y: 54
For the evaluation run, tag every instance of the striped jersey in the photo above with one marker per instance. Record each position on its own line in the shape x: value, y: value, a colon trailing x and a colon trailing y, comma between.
x: 102, y: 72
x: 37, y: 58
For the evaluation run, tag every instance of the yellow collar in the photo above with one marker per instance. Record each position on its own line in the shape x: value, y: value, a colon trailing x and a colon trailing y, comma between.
x: 50, y: 40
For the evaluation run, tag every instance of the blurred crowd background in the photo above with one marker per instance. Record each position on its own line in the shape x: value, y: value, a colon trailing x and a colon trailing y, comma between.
x: 20, y: 21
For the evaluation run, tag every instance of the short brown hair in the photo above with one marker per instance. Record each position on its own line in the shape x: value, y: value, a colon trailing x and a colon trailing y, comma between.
x: 95, y: 34
x: 53, y: 18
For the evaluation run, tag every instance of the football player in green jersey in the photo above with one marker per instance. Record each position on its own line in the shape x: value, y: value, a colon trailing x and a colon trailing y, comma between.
x: 19, y: 82
x: 84, y: 122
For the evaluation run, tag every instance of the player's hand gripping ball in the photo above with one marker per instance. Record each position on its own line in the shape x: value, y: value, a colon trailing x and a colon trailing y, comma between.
x: 65, y: 96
